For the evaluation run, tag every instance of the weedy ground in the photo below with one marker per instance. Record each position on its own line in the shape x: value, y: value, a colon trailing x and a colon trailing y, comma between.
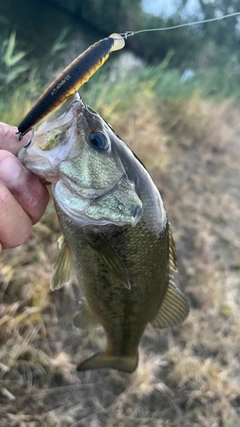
x: 188, y: 376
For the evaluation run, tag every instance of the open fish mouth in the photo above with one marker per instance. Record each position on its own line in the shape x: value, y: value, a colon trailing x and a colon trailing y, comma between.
x: 52, y: 143
x: 64, y: 115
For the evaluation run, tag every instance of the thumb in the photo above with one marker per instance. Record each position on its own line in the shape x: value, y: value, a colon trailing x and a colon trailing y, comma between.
x: 26, y: 187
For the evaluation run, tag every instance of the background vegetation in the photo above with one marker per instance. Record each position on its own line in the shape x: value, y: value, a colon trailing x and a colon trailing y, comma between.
x: 187, y: 134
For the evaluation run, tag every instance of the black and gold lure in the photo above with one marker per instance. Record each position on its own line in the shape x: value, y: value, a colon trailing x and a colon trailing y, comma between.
x: 70, y: 80
x: 81, y: 69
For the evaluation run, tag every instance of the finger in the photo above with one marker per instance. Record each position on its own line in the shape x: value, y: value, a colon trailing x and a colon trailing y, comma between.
x: 15, y: 224
x: 9, y: 140
x: 26, y: 187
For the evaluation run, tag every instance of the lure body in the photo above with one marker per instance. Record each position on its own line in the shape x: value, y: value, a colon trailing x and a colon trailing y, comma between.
x: 70, y: 80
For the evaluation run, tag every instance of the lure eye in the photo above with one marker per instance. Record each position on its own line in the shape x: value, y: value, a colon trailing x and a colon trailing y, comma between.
x: 99, y: 141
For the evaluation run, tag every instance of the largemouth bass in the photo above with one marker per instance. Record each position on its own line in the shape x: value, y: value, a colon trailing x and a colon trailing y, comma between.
x: 117, y: 237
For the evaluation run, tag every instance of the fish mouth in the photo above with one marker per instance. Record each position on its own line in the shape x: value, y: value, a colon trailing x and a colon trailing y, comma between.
x: 43, y: 163
x: 42, y: 155
x: 64, y: 115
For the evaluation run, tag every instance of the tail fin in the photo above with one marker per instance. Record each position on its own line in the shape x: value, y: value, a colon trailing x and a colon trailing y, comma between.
x: 101, y: 360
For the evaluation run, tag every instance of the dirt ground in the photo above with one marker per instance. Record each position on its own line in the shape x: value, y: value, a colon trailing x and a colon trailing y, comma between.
x: 188, y: 376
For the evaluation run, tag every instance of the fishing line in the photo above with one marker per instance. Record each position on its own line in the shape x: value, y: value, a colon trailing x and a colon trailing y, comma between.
x: 187, y: 24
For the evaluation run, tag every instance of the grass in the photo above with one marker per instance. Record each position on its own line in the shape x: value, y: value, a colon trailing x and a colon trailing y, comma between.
x: 187, y: 376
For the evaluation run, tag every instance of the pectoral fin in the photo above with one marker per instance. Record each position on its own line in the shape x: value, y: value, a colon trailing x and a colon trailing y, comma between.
x: 62, y: 268
x: 85, y: 319
x: 112, y: 261
x: 174, y: 308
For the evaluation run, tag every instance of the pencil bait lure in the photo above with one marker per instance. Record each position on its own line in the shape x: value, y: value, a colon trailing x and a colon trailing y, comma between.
x: 82, y: 68
x: 70, y: 80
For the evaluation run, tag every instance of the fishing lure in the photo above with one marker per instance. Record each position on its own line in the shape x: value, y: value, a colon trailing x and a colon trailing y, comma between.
x: 70, y: 79
x: 82, y: 68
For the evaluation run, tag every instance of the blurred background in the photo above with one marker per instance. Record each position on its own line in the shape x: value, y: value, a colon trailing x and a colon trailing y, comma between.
x: 173, y: 96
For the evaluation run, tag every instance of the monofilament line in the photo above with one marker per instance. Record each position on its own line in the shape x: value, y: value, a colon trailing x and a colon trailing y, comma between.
x: 187, y: 24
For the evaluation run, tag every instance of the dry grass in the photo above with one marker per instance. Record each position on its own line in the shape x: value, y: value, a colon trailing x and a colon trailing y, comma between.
x: 189, y: 376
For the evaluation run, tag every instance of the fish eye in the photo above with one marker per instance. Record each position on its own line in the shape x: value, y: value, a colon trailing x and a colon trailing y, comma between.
x: 99, y: 141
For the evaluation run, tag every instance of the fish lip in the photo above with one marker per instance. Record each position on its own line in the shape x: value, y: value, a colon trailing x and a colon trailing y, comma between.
x: 29, y: 143
x: 90, y: 110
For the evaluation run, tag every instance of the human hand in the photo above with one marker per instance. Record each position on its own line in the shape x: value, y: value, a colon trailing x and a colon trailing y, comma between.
x: 23, y: 197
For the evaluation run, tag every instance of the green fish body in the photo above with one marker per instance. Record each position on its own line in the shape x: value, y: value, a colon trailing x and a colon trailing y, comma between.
x: 117, y: 237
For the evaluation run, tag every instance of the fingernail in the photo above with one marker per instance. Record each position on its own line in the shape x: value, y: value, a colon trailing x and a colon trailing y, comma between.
x: 10, y: 169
